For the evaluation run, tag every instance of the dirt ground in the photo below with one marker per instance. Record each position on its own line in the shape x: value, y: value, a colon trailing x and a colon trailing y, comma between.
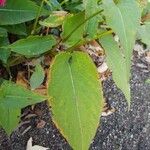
x: 122, y: 130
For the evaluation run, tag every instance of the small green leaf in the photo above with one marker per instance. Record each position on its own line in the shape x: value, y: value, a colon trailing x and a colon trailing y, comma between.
x: 54, y: 20
x: 144, y: 34
x: 12, y: 98
x: 124, y: 19
x: 117, y: 63
x: 77, y: 98
x: 37, y: 77
x: 91, y: 7
x: 147, y: 81
x: 4, y: 53
x: 73, y: 29
x: 33, y: 45
x: 18, y: 12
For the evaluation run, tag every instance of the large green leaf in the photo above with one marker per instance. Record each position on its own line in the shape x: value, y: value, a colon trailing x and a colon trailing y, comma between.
x: 77, y: 97
x: 73, y: 29
x: 18, y: 11
x: 33, y: 45
x: 12, y: 98
x: 91, y: 7
x: 124, y: 19
x: 144, y: 34
x: 117, y: 63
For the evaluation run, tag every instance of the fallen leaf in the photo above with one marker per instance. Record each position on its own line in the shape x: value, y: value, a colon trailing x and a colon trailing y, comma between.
x: 21, y: 80
x: 147, y: 58
x: 107, y: 109
x: 139, y: 49
x: 35, y: 147
x: 109, y: 112
x: 102, y: 68
x: 141, y: 65
x: 146, y: 17
x: 41, y: 90
x: 93, y: 48
x: 47, y: 60
x: 41, y: 124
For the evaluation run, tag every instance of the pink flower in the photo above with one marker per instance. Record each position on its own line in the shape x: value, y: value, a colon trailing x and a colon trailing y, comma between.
x: 2, y: 2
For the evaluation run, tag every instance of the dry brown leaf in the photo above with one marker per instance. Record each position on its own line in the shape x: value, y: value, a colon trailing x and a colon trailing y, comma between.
x: 93, y: 48
x: 139, y: 49
x: 47, y: 60
x: 41, y: 90
x: 41, y: 124
x: 21, y: 80
x: 146, y: 17
x: 102, y: 68
x: 108, y: 112
x: 147, y: 58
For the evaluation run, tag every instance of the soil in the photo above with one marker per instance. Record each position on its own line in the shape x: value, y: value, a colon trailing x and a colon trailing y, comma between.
x: 122, y: 130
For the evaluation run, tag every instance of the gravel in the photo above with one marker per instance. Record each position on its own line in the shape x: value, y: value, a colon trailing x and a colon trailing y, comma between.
x: 122, y: 130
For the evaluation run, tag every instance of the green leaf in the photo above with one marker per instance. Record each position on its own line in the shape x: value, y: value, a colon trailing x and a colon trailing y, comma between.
x: 73, y: 29
x: 3, y: 32
x: 55, y: 5
x: 9, y: 118
x: 117, y: 63
x: 124, y: 19
x: 37, y: 77
x: 74, y: 6
x: 33, y: 45
x: 144, y: 34
x: 147, y: 81
x: 19, y: 29
x: 54, y: 20
x: 4, y: 53
x: 18, y: 12
x: 91, y: 8
x: 77, y: 98
x: 16, y: 96
x: 12, y: 98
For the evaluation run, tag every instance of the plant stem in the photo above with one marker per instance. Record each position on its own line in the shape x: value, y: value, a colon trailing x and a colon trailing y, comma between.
x: 86, y: 41
x: 48, y: 3
x: 37, y: 17
x: 65, y: 39
x: 63, y: 2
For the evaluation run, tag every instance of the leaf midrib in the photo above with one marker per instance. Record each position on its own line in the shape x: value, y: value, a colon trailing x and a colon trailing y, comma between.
x: 76, y: 103
x: 25, y: 46
x: 16, y: 10
x: 126, y: 40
